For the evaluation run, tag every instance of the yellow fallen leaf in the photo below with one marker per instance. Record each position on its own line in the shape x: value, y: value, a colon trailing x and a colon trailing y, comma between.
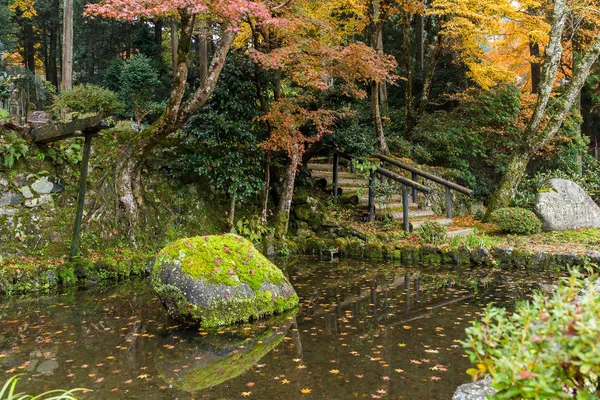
x: 305, y: 390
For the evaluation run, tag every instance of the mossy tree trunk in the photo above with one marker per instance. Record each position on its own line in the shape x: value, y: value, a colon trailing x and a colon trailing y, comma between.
x: 545, y: 123
x: 377, y: 27
x: 128, y: 182
x: 285, y: 203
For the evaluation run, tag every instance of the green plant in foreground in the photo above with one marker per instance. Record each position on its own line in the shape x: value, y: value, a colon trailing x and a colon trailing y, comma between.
x: 432, y: 232
x: 517, y: 220
x: 12, y: 148
x: 8, y: 392
x: 546, y: 349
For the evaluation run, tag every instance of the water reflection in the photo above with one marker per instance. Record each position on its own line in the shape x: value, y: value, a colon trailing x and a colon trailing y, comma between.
x: 363, y: 330
x: 215, y: 357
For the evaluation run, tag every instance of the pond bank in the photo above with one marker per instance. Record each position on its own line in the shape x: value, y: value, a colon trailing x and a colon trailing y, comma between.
x: 415, y: 253
x: 30, y: 274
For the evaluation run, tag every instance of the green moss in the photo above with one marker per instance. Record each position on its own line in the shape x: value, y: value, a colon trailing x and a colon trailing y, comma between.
x: 373, y: 250
x: 223, y: 312
x: 227, y: 260
x: 221, y: 260
x: 302, y: 212
x: 431, y: 255
x: 356, y: 248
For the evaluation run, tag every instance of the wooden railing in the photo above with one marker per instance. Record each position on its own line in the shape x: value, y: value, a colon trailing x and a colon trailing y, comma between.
x: 405, y: 182
x: 415, y: 173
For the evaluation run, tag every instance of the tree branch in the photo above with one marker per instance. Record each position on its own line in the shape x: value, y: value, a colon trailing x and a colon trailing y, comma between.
x: 201, y: 95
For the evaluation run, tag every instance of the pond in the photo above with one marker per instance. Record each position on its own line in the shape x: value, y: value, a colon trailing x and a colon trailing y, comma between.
x: 364, y: 330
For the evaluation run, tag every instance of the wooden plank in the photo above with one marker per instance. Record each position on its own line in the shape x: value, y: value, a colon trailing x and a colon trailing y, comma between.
x: 60, y: 131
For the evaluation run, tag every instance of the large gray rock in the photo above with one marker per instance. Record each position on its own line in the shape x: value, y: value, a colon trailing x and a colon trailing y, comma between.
x: 475, y: 391
x: 567, y: 206
x: 219, y: 280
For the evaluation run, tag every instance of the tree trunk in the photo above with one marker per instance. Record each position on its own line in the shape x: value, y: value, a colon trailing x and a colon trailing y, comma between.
x: 29, y: 42
x: 383, y: 90
x: 129, y: 163
x: 377, y: 27
x: 203, y: 53
x: 428, y: 79
x: 158, y: 31
x: 285, y: 203
x: 174, y: 46
x: 536, y: 67
x: 509, y: 183
x: 377, y: 121
x: 53, y: 48
x: 409, y: 119
x: 67, y: 46
x: 420, y: 43
x: 232, y: 211
x: 265, y: 199
x: 537, y: 136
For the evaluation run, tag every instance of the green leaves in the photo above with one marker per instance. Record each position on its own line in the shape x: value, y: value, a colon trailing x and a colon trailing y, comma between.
x: 12, y: 148
x: 545, y: 350
x: 8, y: 392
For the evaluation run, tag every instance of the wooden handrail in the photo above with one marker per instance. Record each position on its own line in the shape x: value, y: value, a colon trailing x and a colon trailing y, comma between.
x: 426, y: 175
x: 396, y: 177
x: 405, y: 181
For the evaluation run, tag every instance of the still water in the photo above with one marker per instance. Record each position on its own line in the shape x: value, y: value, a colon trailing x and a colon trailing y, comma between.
x: 363, y: 330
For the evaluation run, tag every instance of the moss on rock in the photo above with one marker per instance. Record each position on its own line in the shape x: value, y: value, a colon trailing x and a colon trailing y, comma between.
x: 219, y: 280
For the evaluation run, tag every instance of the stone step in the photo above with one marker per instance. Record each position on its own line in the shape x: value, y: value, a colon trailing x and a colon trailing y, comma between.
x: 442, y: 221
x: 320, y: 167
x: 353, y: 189
x: 329, y: 175
x: 390, y: 207
x: 395, y: 198
x: 399, y: 217
x: 460, y: 232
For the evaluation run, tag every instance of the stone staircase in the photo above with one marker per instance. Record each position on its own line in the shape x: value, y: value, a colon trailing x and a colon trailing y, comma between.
x: 351, y: 184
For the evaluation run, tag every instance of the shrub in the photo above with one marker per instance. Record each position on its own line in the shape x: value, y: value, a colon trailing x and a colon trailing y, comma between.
x: 138, y: 81
x: 432, y: 232
x: 517, y: 220
x: 84, y: 99
x: 4, y: 115
x: 12, y: 148
x: 546, y: 349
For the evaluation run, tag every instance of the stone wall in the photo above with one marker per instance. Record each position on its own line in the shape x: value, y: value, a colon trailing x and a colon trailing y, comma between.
x: 38, y: 199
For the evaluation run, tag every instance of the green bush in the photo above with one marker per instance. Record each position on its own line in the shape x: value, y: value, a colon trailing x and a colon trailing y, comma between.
x: 4, y: 115
x: 517, y: 220
x: 12, y: 148
x: 432, y: 232
x: 546, y: 349
x: 82, y: 100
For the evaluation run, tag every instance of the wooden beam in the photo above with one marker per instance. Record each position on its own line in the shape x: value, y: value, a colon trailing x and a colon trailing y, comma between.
x: 59, y: 131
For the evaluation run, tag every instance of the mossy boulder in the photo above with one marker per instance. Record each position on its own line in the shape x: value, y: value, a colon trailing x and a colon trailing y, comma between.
x: 219, y: 280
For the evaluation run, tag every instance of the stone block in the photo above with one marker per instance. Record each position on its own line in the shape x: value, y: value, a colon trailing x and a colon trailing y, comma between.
x: 566, y: 206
